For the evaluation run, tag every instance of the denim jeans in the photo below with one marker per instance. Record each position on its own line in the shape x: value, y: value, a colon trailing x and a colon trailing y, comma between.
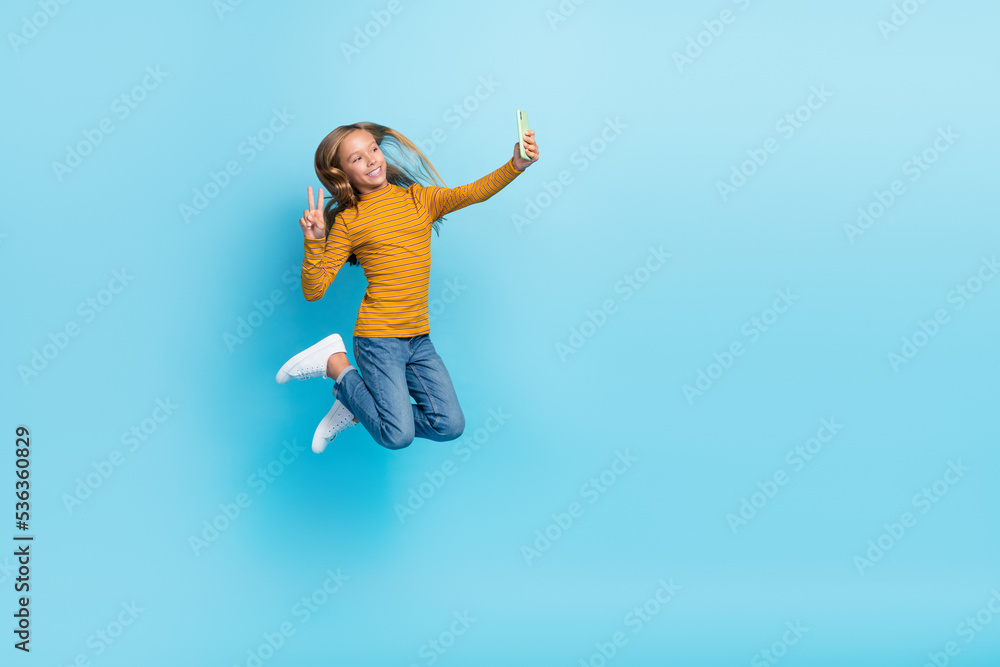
x: 392, y: 370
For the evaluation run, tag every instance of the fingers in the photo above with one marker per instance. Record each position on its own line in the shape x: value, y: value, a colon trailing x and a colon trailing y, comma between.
x: 530, y: 147
x: 312, y: 226
x: 311, y: 207
x: 320, y: 199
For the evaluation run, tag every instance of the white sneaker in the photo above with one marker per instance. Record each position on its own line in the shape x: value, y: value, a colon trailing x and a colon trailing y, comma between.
x: 311, y: 362
x: 338, y: 419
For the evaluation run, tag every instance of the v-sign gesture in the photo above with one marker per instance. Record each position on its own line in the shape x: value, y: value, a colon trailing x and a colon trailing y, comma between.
x: 312, y: 221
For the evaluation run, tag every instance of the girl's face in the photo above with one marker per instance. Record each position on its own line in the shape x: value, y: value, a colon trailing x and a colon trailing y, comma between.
x: 362, y: 160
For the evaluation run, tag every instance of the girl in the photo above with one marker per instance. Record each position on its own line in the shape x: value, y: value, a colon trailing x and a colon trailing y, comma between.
x: 381, y: 217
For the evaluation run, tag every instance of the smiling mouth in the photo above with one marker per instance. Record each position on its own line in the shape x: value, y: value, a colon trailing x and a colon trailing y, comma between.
x: 374, y: 174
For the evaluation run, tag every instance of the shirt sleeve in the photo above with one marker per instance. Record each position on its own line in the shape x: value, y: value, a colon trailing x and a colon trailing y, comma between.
x: 323, y: 259
x: 442, y: 201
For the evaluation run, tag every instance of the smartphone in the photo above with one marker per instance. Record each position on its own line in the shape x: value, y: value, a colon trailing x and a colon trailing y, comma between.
x: 522, y: 127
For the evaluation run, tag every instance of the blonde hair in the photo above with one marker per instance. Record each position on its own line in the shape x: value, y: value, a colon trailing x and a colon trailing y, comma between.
x: 342, y: 194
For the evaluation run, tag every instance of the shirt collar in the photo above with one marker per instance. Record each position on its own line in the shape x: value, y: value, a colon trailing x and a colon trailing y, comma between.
x: 377, y: 193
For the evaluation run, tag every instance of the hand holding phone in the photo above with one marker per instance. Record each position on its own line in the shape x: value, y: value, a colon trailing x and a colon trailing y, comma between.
x: 522, y: 127
x: 526, y: 149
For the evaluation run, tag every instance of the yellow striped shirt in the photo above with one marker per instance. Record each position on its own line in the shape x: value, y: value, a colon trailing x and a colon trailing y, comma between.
x: 390, y: 232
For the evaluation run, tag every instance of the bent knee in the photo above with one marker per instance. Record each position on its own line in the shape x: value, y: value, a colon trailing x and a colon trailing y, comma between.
x: 451, y: 427
x: 397, y: 439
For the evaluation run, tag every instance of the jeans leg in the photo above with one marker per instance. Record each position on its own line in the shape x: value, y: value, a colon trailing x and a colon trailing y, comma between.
x: 437, y: 414
x: 378, y: 395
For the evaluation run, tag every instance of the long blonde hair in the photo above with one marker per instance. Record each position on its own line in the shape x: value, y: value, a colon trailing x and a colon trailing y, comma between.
x: 342, y: 194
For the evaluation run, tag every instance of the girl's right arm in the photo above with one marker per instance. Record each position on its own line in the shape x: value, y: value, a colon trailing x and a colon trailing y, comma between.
x: 323, y: 255
x: 441, y: 201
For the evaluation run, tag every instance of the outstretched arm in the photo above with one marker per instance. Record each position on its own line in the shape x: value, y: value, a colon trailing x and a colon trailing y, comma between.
x: 442, y: 201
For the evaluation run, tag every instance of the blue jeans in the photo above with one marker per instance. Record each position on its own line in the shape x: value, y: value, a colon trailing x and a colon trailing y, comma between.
x: 392, y: 370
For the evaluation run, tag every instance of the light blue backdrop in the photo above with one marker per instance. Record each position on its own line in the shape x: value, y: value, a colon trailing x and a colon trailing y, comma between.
x: 715, y: 415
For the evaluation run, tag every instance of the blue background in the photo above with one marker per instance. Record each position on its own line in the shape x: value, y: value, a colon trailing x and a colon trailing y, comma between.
x: 653, y: 183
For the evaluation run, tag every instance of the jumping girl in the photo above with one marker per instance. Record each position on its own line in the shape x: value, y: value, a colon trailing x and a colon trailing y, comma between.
x: 381, y: 216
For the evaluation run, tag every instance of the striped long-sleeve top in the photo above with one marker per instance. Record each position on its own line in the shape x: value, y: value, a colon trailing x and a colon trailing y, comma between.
x: 390, y: 232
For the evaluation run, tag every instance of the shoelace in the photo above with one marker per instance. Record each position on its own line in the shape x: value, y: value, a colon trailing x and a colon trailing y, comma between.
x: 307, y: 370
x: 339, y: 424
